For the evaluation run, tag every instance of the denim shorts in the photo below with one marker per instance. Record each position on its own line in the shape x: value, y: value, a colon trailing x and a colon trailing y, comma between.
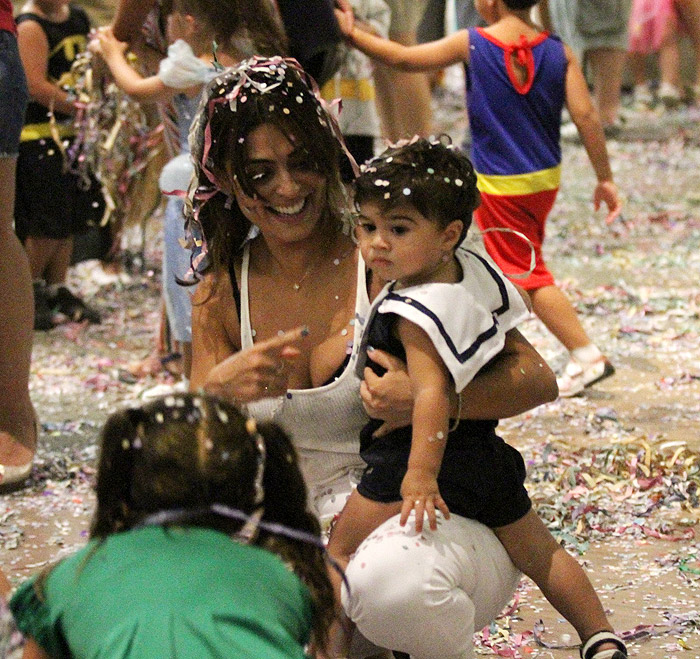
x: 13, y: 95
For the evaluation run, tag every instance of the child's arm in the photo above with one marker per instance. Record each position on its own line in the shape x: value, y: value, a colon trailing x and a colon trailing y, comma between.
x: 432, y: 56
x: 34, y: 52
x: 431, y: 384
x: 139, y: 88
x: 585, y: 116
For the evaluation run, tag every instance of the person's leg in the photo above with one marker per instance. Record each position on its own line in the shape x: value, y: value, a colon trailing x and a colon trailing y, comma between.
x: 638, y: 68
x: 553, y: 308
x: 689, y: 14
x: 176, y: 263
x: 403, y: 99
x: 40, y: 252
x: 359, y: 518
x: 17, y: 423
x: 559, y: 576
x: 426, y: 594
x: 607, y: 66
x: 56, y: 269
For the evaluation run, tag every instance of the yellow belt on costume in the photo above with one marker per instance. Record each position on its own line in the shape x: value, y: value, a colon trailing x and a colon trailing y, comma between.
x: 44, y: 130
x: 347, y: 88
x: 519, y: 184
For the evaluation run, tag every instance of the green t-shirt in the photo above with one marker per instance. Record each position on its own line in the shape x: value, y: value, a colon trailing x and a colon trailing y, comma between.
x: 178, y: 592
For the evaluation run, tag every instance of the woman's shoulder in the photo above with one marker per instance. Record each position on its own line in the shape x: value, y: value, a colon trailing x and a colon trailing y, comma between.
x: 214, y: 288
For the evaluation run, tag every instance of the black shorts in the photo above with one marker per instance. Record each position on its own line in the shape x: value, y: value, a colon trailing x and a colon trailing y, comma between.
x: 51, y: 203
x: 481, y: 477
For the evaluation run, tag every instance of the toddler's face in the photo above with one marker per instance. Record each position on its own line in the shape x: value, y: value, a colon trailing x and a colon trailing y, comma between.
x: 403, y: 244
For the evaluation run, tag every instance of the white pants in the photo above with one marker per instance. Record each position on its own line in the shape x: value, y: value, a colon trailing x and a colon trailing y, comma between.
x: 426, y: 595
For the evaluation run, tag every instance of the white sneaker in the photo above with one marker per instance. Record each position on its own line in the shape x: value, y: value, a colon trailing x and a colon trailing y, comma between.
x: 579, y: 375
x: 163, y: 389
x: 669, y: 95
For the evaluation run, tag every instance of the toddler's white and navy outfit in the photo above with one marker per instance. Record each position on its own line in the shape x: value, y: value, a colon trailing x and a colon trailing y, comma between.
x: 481, y: 476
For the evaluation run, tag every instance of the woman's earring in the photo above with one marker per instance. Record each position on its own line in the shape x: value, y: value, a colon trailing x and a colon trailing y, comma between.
x: 446, y: 257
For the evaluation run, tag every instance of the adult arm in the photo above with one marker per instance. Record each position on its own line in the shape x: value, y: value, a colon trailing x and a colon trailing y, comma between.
x: 129, y: 18
x: 515, y: 381
x: 432, y: 56
x: 585, y: 116
x: 34, y: 52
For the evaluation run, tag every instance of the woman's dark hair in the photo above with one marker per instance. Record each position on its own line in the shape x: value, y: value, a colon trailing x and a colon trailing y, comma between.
x: 259, y: 91
x: 435, y: 178
x: 193, y: 452
x: 255, y: 21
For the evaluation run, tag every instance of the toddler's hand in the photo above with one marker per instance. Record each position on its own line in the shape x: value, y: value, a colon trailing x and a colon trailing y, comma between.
x: 420, y: 492
x: 606, y: 191
x: 106, y: 44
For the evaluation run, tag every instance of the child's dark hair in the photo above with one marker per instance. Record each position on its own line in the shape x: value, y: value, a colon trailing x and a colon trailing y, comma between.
x: 259, y: 91
x: 196, y: 453
x: 520, y: 5
x: 254, y: 20
x: 435, y: 178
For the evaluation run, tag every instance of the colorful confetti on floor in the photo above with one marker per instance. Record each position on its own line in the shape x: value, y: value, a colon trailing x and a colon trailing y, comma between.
x: 614, y: 472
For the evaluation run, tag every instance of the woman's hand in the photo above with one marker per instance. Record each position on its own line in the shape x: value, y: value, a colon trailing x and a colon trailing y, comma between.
x: 387, y: 397
x: 258, y: 372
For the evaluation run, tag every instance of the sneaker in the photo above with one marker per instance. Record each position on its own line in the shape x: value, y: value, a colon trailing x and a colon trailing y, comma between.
x: 642, y: 97
x: 73, y: 307
x: 43, y: 314
x: 669, y: 95
x: 579, y: 375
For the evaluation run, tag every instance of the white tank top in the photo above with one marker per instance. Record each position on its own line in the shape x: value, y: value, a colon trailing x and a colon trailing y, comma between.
x: 323, y: 422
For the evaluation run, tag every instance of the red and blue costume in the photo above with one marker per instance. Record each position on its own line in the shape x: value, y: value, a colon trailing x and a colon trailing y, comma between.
x: 515, y: 144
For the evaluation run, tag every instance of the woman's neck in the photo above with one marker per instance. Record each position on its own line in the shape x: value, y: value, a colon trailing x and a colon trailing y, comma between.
x: 296, y: 263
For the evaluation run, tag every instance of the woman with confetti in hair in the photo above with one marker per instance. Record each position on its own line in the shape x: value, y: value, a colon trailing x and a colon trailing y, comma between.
x: 277, y: 315
x: 201, y: 545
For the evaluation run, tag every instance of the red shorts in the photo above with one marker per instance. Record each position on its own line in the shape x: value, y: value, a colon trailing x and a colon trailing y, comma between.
x: 526, y: 214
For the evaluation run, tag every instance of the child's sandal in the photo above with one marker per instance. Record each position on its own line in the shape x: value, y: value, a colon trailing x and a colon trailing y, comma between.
x: 589, y: 650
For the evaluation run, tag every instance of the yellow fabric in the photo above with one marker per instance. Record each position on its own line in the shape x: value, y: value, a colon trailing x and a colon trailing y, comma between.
x: 357, y: 90
x: 42, y: 131
x: 519, y: 184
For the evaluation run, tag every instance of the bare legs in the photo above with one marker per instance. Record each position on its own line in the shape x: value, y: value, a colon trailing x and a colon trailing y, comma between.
x: 534, y: 551
x: 553, y: 308
x: 689, y: 11
x: 607, y: 65
x: 17, y: 433
x: 403, y: 99
x: 49, y: 258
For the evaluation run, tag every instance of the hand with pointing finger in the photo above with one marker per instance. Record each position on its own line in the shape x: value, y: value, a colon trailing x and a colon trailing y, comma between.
x: 261, y: 371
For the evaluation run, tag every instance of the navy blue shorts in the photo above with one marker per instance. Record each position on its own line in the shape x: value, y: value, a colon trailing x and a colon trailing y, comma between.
x: 481, y: 477
x: 13, y: 95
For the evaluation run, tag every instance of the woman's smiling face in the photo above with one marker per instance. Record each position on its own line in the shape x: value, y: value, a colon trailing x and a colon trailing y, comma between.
x: 290, y: 189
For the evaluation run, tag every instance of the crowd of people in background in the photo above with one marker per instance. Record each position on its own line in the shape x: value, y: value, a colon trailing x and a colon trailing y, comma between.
x: 268, y: 306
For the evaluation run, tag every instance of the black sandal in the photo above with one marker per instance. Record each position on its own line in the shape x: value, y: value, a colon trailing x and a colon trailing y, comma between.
x: 73, y: 307
x: 589, y: 650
